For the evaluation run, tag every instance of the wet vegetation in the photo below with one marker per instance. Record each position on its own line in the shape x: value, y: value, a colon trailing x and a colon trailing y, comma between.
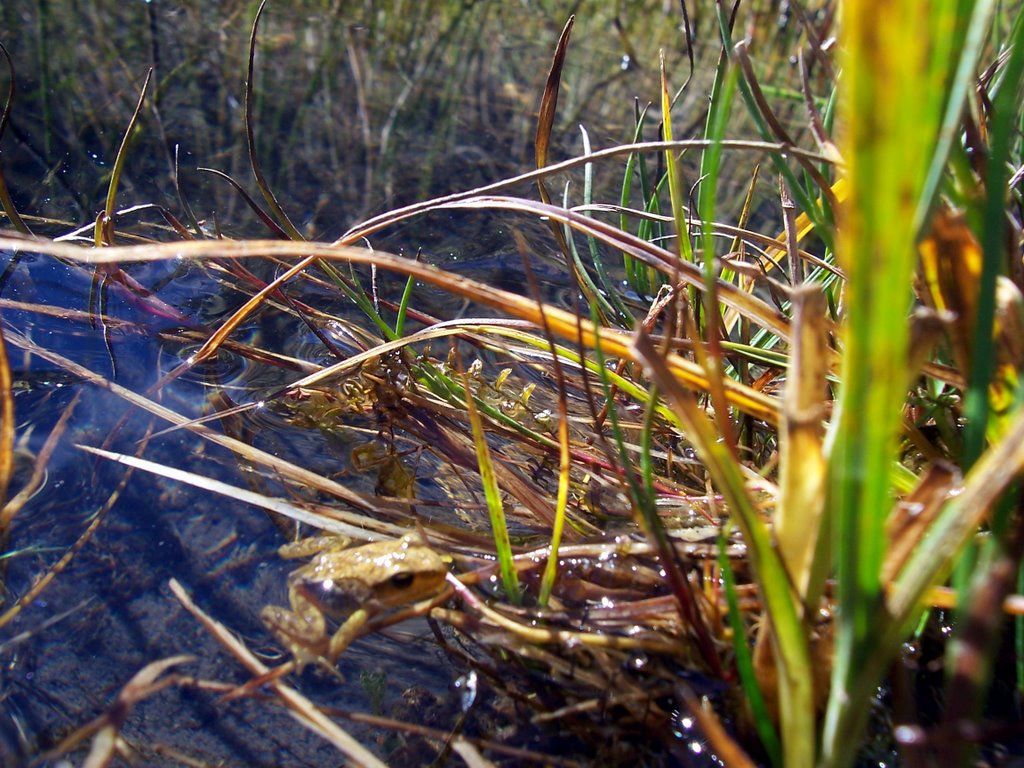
x: 672, y: 361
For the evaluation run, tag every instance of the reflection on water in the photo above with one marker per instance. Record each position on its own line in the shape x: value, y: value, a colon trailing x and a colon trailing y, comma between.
x: 358, y: 107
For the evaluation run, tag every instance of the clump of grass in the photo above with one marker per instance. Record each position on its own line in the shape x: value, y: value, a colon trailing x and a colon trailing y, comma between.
x: 773, y: 396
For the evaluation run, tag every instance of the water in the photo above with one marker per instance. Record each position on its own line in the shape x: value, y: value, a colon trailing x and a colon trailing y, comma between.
x: 356, y: 110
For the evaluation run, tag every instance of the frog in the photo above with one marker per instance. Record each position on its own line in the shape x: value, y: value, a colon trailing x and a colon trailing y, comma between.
x: 351, y: 585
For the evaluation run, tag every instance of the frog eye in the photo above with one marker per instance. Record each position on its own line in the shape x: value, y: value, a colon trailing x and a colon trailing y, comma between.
x: 402, y: 580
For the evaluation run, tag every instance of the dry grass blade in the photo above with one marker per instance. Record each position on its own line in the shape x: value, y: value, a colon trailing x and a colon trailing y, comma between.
x: 564, y: 454
x: 562, y: 323
x: 951, y: 265
x: 460, y: 327
x: 470, y: 754
x: 800, y: 505
x: 277, y: 506
x: 740, y: 50
x: 7, y: 430
x: 959, y: 518
x: 542, y: 142
x: 209, y: 349
x: 661, y: 259
x: 914, y: 515
x: 42, y: 582
x: 549, y: 104
x: 824, y: 141
x: 15, y: 504
x: 796, y: 270
x: 273, y: 464
x: 978, y: 637
x: 791, y: 651
x: 262, y: 215
x: 301, y: 708
x: 802, y: 464
x: 376, y: 223
x: 105, y: 729
x: 723, y: 745
x: 531, y: 633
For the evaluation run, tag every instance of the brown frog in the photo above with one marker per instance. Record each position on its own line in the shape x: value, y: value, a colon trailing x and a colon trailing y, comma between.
x: 351, y: 585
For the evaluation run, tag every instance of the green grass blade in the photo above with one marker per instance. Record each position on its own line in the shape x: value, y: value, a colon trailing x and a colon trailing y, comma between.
x: 492, y: 493
x: 674, y: 173
x: 804, y: 198
x: 608, y: 294
x: 403, y: 305
x: 122, y: 153
x: 892, y: 118
x: 963, y: 80
x: 1006, y: 105
x: 744, y: 661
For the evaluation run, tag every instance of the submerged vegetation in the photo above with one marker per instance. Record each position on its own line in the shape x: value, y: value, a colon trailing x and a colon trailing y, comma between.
x: 723, y: 451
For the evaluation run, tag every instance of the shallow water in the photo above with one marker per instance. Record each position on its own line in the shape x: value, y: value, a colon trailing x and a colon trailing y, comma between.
x: 355, y: 113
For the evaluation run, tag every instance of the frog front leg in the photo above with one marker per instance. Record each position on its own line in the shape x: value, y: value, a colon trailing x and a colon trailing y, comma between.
x: 346, y: 633
x: 303, y: 630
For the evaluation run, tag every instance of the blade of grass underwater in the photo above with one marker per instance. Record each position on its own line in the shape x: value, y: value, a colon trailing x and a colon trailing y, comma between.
x: 509, y: 577
x: 891, y: 124
x: 792, y: 654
